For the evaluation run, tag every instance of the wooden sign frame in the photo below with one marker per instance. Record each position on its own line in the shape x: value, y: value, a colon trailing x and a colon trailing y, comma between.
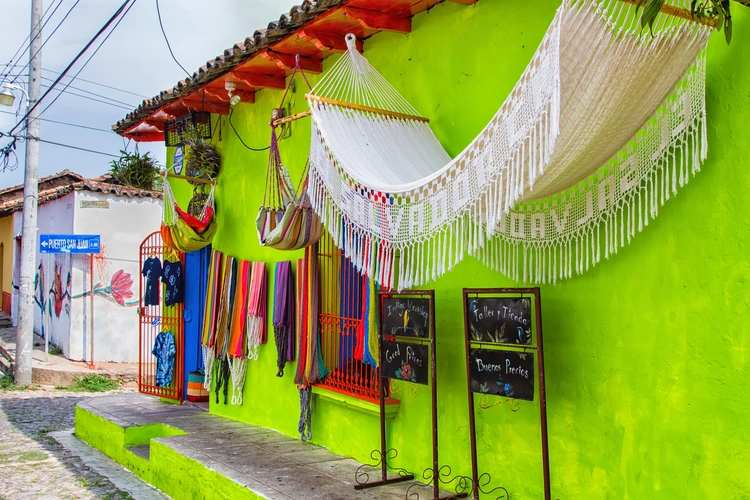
x: 386, y: 453
x: 536, y: 349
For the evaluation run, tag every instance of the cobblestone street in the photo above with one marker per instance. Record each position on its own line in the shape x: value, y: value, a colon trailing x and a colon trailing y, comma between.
x: 32, y: 464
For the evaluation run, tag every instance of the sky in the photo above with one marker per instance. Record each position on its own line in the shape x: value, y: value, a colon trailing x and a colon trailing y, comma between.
x: 135, y: 59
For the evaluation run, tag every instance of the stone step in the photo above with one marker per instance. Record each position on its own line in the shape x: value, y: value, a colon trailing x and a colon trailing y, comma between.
x: 143, y: 451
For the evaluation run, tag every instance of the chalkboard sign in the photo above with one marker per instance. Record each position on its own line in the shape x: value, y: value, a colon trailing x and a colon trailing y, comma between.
x: 500, y: 320
x: 406, y: 316
x: 503, y: 373
x: 406, y: 361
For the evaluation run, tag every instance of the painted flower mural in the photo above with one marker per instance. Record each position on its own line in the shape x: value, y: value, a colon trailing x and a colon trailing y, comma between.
x: 117, y: 291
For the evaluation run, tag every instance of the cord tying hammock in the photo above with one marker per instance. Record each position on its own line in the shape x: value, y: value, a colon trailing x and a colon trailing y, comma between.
x: 182, y: 231
x: 286, y: 220
x: 603, y: 125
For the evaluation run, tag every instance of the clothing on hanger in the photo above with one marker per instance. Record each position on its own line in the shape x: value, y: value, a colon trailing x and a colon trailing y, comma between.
x: 152, y: 271
x: 172, y: 277
x: 165, y: 351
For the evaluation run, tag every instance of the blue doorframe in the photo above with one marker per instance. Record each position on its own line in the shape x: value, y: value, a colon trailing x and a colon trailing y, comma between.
x: 196, y: 283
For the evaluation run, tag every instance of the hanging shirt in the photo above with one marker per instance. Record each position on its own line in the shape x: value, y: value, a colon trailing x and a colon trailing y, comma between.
x: 164, y: 350
x: 152, y: 272
x: 172, y: 277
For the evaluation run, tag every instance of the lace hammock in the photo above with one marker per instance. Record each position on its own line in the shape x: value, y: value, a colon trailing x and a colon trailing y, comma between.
x: 604, y: 124
x: 182, y: 231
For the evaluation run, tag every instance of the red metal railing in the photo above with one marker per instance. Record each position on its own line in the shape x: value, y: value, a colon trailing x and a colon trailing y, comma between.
x: 343, y: 292
x: 153, y: 320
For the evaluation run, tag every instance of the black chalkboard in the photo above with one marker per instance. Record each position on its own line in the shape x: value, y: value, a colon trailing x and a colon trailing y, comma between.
x: 500, y: 320
x: 406, y: 316
x: 406, y: 361
x: 503, y: 373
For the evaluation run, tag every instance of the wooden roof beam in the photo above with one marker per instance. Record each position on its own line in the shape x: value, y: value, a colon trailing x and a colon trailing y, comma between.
x: 332, y: 42
x: 258, y: 80
x: 371, y: 19
x: 287, y: 61
x: 194, y: 102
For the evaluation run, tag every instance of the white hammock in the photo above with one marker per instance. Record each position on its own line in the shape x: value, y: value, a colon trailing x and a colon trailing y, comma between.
x: 602, y: 104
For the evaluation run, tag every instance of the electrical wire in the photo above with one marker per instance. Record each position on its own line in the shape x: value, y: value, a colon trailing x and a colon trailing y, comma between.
x: 240, y: 137
x: 169, y: 46
x: 72, y: 79
x: 75, y: 60
x: 68, y: 92
x: 130, y: 106
x: 65, y: 17
x: 77, y: 148
x: 64, y: 123
x: 92, y: 83
x: 13, y: 62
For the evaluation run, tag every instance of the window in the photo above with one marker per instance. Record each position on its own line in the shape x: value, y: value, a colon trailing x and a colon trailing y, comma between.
x: 343, y: 291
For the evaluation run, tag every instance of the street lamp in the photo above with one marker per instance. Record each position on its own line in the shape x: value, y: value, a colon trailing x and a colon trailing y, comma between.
x: 6, y: 95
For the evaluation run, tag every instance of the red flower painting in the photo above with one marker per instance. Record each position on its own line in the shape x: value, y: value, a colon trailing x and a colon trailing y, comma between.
x: 120, y: 286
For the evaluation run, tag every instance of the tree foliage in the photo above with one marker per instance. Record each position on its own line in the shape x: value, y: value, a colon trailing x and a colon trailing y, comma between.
x: 136, y: 170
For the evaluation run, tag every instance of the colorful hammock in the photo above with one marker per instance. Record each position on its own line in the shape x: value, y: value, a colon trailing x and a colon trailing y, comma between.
x: 183, y: 231
x: 290, y: 223
x: 283, y: 315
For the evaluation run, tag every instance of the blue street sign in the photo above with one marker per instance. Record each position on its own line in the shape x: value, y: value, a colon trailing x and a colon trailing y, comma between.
x: 69, y: 243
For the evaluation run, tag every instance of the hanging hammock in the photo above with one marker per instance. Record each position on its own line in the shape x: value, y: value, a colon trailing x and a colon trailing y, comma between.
x: 256, y: 310
x: 286, y: 220
x: 184, y: 232
x: 283, y: 315
x: 602, y: 126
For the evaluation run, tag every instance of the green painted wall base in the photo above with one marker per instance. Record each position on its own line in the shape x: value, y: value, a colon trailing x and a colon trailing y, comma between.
x: 165, y: 469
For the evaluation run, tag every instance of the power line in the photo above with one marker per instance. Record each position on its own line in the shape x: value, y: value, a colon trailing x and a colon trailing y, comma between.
x: 95, y: 83
x: 121, y: 106
x: 130, y: 106
x: 65, y: 17
x: 22, y: 48
x: 101, y: 44
x: 75, y: 60
x: 77, y: 148
x: 64, y: 123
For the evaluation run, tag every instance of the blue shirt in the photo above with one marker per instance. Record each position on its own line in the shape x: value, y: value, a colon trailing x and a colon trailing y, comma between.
x: 172, y: 277
x: 152, y: 272
x: 164, y: 350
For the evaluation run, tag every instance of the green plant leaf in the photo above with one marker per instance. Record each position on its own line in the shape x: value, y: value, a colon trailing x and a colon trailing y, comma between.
x: 650, y: 12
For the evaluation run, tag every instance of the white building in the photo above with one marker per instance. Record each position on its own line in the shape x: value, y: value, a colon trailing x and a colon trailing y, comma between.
x: 66, y: 302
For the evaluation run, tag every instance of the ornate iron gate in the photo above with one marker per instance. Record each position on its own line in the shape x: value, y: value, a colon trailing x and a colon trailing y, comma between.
x: 155, y: 319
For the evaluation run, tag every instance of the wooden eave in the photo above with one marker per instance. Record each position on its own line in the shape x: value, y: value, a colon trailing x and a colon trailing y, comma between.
x: 313, y: 31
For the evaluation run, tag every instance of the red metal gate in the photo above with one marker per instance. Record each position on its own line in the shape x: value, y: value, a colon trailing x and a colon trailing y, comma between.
x: 155, y: 319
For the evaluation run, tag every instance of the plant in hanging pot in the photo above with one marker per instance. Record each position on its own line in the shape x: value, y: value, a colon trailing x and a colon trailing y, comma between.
x: 202, y: 159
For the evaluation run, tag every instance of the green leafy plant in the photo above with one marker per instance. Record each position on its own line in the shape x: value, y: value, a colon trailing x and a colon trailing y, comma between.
x: 202, y: 159
x: 55, y: 350
x: 92, y: 383
x: 136, y: 170
x: 699, y: 9
x: 7, y: 383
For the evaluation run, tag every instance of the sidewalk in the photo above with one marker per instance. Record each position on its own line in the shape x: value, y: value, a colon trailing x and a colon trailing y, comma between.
x: 58, y: 371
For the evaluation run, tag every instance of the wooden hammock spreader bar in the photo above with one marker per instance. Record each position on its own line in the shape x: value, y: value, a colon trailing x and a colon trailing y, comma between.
x: 192, y: 179
x: 359, y: 107
x: 671, y: 10
x: 291, y: 118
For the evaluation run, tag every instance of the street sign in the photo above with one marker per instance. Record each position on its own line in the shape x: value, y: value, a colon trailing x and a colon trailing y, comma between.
x: 69, y: 243
x: 179, y: 156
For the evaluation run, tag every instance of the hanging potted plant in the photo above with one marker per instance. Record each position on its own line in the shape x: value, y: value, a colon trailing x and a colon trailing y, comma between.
x: 202, y: 159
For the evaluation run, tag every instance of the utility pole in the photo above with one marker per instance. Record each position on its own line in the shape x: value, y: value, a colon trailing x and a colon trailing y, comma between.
x: 25, y: 330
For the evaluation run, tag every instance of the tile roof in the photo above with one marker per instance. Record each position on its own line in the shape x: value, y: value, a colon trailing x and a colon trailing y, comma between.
x: 13, y: 201
x: 298, y: 16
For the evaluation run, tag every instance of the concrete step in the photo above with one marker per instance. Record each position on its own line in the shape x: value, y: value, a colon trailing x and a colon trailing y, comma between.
x: 6, y: 366
x: 143, y: 451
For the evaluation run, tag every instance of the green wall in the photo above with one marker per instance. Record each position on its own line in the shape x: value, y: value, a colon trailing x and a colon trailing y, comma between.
x: 646, y: 354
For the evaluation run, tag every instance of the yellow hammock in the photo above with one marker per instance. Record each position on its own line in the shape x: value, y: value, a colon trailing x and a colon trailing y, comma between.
x: 175, y: 230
